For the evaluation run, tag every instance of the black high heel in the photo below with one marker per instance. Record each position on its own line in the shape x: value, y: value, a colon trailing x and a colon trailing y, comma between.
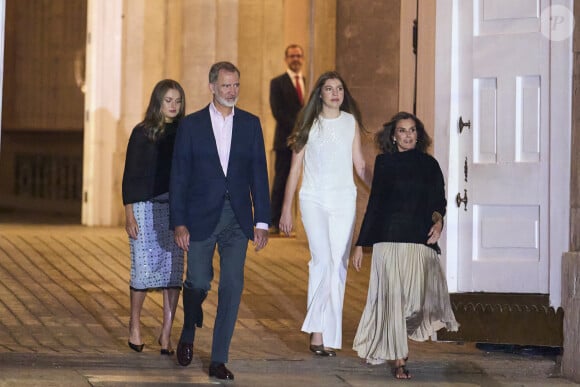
x: 135, y: 347
x: 319, y: 350
x: 331, y: 352
x: 163, y: 351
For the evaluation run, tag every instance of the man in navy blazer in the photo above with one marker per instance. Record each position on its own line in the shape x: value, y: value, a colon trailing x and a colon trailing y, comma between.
x: 287, y: 96
x: 218, y: 197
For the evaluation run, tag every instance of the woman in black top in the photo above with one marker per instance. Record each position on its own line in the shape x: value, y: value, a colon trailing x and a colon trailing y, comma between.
x: 156, y: 261
x: 407, y: 294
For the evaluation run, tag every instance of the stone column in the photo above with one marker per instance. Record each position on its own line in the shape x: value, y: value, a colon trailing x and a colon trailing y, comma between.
x: 575, y: 149
x: 200, y: 48
x: 571, y: 306
x: 102, y: 111
x: 368, y: 45
x: 261, y: 57
x: 323, y: 37
x: 367, y: 56
x: 571, y: 260
x: 173, y: 55
x: 426, y: 65
x: 2, y: 20
x: 135, y: 43
x: 151, y: 52
x: 265, y: 29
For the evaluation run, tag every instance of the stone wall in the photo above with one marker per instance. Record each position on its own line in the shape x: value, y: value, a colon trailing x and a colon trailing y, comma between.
x: 571, y: 305
x: 575, y: 152
x: 181, y: 39
x: 571, y: 260
x: 367, y: 56
x: 43, y: 63
x: 42, y: 120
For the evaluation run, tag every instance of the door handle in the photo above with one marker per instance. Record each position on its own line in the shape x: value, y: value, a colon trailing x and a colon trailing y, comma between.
x: 462, y: 124
x: 459, y: 200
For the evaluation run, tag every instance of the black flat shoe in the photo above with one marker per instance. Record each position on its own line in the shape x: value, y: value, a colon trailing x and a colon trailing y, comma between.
x: 319, y: 350
x: 135, y: 347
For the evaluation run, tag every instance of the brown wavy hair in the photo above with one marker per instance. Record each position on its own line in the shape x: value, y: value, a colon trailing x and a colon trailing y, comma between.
x: 385, y: 137
x: 313, y: 108
x: 154, y: 121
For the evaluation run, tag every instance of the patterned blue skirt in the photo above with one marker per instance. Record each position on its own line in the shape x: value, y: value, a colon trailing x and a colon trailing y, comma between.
x: 156, y: 260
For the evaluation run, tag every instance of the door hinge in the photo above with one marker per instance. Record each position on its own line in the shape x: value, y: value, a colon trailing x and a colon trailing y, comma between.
x: 459, y: 200
x: 461, y: 124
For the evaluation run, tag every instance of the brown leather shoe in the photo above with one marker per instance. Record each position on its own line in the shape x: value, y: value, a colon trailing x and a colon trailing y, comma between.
x: 184, y: 353
x: 221, y: 372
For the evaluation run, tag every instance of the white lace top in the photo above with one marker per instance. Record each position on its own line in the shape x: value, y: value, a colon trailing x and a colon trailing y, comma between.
x: 328, y: 155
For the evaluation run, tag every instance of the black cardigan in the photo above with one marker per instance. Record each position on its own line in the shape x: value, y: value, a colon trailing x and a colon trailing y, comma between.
x: 148, y: 165
x: 407, y: 189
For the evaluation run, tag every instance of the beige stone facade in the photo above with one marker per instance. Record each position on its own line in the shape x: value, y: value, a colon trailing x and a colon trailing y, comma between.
x: 181, y: 39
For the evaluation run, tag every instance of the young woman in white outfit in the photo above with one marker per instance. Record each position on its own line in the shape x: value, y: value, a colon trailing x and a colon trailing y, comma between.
x: 326, y: 142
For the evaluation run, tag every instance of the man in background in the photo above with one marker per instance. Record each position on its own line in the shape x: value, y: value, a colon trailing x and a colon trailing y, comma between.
x: 287, y: 96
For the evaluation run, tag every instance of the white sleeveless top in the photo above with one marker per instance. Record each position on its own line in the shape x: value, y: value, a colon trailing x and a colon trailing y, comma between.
x: 328, y: 155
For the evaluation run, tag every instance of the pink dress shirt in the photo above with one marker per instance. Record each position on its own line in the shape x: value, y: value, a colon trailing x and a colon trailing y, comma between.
x: 222, y: 131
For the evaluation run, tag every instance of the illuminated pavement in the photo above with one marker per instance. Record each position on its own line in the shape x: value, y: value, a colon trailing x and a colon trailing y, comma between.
x: 64, y: 311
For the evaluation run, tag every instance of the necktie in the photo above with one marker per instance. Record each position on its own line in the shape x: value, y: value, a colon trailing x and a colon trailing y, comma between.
x: 299, y: 90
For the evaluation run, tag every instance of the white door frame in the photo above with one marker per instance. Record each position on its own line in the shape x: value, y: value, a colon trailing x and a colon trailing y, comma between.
x: 446, y: 140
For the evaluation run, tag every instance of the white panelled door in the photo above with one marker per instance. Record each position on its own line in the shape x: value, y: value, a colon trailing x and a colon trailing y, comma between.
x: 503, y: 82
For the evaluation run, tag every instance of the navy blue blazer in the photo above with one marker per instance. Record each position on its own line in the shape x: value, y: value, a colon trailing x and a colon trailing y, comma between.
x: 198, y: 185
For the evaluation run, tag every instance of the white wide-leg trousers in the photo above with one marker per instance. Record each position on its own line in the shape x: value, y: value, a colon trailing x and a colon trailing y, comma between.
x: 328, y: 221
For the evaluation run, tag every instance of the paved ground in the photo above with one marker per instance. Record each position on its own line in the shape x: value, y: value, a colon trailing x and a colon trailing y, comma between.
x: 64, y: 310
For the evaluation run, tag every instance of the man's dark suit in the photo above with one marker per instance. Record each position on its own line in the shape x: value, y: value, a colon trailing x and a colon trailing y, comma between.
x: 285, y: 106
x: 217, y: 209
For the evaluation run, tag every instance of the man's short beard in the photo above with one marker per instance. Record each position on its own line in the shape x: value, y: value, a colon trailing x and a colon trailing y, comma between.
x: 225, y: 102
